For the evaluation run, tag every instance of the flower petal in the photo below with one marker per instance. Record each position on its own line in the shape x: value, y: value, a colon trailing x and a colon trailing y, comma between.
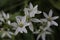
x: 54, y: 23
x: 39, y: 12
x: 14, y: 24
x: 8, y: 22
x: 50, y: 13
x: 17, y: 31
x: 4, y: 15
x: 36, y: 32
x: 24, y: 30
x: 38, y: 37
x: 1, y: 19
x: 7, y: 15
x: 35, y: 20
x: 43, y: 36
x: 31, y: 27
x: 23, y: 19
x: 48, y: 32
x: 26, y: 11
x: 30, y: 6
x: 54, y: 18
x: 48, y: 26
x: 8, y: 35
x: 3, y: 35
x: 18, y: 19
x: 45, y: 15
x: 34, y: 11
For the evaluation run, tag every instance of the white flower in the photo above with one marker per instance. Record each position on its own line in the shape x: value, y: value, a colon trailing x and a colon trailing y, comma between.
x: 6, y: 17
x: 43, y: 33
x: 45, y: 25
x: 50, y: 18
x: 31, y: 11
x: 6, y: 33
x: 20, y: 25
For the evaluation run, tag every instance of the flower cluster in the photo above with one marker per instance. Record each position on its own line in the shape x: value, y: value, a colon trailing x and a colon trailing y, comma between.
x: 19, y: 26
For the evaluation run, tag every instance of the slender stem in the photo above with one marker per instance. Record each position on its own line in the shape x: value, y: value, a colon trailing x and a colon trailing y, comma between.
x: 26, y: 3
x: 13, y: 37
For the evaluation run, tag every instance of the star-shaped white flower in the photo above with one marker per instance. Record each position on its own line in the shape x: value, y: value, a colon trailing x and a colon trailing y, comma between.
x: 20, y: 25
x: 6, y: 33
x: 32, y: 10
x: 45, y: 25
x: 43, y: 33
x: 50, y: 18
x: 6, y: 17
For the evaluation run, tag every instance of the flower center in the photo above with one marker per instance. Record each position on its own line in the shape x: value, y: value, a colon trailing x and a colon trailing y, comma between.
x: 21, y: 24
x: 49, y: 18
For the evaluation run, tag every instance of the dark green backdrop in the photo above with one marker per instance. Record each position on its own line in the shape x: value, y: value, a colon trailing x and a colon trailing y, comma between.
x: 15, y: 6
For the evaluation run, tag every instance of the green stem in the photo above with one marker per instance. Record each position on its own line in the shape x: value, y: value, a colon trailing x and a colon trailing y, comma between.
x: 26, y: 3
x: 13, y: 37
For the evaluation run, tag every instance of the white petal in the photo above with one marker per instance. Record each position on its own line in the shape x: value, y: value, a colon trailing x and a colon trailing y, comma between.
x: 50, y: 13
x: 23, y: 19
x: 54, y: 23
x: 33, y: 11
x: 30, y: 6
x: 35, y: 20
x: 43, y: 20
x: 7, y: 15
x: 4, y: 14
x: 48, y: 32
x: 38, y: 12
x: 3, y: 35
x: 8, y: 22
x: 20, y: 30
x: 45, y: 15
x: 36, y: 7
x: 31, y: 27
x: 17, y: 31
x: 14, y: 24
x: 11, y: 33
x: 54, y: 18
x: 24, y: 30
x: 43, y: 36
x: 26, y: 24
x: 48, y: 26
x: 32, y: 14
x: 8, y: 35
x: 38, y: 37
x: 18, y: 19
x: 26, y: 11
x: 36, y: 32
x: 1, y: 19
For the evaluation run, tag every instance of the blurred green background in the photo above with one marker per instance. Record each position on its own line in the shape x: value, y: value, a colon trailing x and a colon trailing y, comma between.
x: 15, y: 6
